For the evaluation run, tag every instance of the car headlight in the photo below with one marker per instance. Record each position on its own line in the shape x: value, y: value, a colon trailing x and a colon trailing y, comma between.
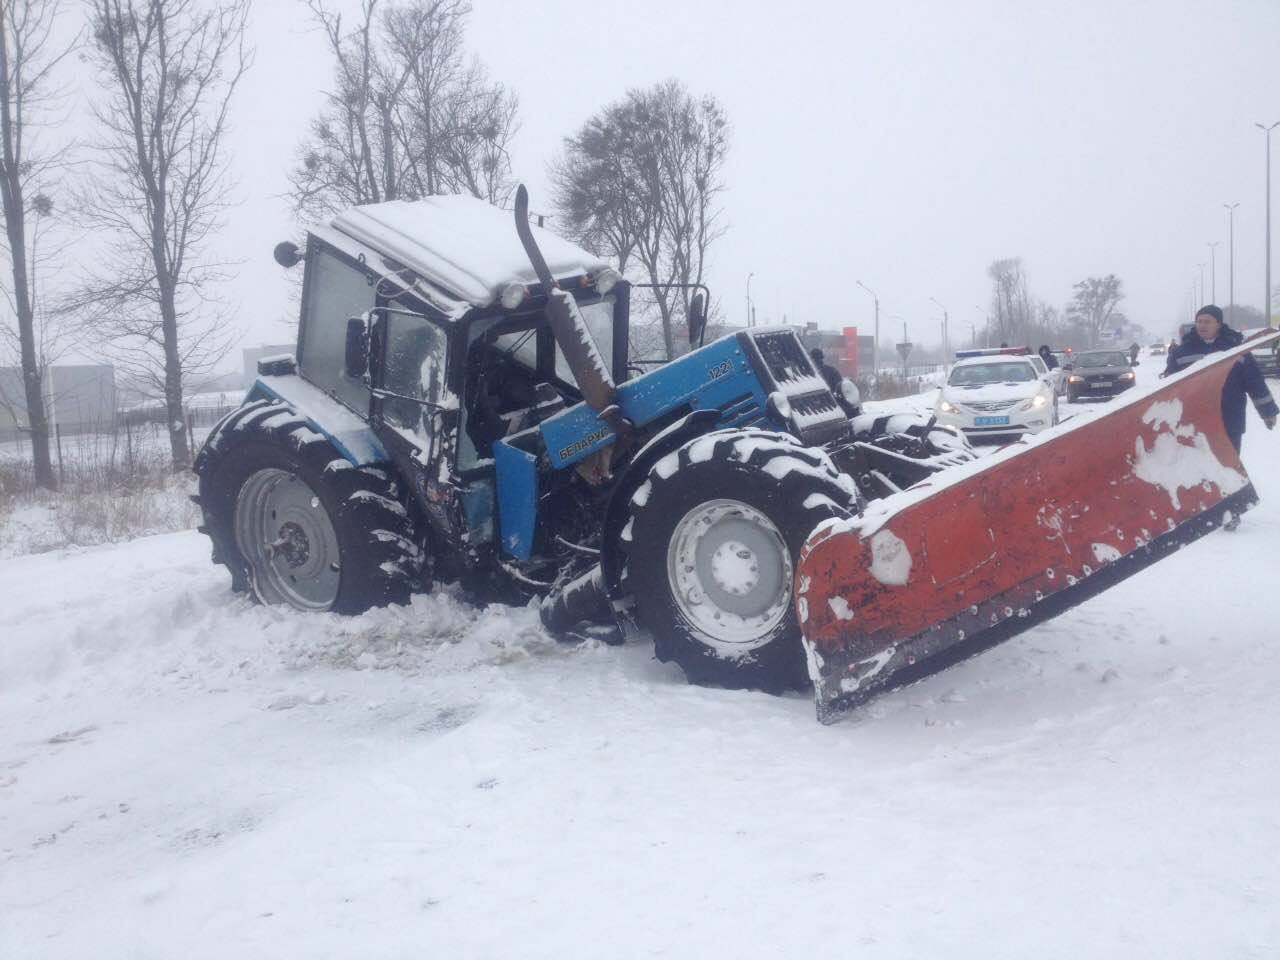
x: 1034, y: 403
x: 1075, y: 379
x: 1127, y: 375
x: 946, y: 407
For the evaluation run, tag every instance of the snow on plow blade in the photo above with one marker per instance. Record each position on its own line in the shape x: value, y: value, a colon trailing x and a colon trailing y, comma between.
x: 973, y: 556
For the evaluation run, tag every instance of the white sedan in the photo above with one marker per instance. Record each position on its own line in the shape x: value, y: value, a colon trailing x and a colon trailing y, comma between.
x: 1001, y: 397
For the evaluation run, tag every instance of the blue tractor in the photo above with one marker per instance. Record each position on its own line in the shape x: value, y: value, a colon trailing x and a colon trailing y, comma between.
x: 461, y: 407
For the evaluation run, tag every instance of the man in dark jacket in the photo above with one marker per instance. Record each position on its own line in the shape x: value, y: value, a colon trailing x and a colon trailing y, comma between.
x: 1211, y: 335
x: 834, y: 381
x: 1047, y: 356
x: 829, y: 373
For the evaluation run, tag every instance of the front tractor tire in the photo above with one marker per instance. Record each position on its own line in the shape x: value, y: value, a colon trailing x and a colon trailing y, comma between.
x: 711, y: 550
x: 296, y: 523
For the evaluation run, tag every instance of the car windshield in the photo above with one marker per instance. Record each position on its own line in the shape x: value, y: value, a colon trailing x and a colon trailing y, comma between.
x: 975, y: 374
x: 1116, y: 359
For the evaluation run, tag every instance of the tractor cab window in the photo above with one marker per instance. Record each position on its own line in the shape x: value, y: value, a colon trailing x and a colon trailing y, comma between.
x: 511, y: 383
x: 599, y: 319
x: 335, y: 291
x: 416, y: 350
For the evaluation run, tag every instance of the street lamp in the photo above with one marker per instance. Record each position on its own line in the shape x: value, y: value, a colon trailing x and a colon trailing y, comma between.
x: 1200, y: 267
x: 1267, y: 130
x: 945, y: 338
x: 749, y: 276
x: 1231, y: 259
x: 875, y: 345
x: 1213, y: 271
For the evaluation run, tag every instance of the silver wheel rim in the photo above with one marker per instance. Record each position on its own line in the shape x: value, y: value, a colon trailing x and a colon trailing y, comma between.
x: 730, y: 573
x: 283, y: 530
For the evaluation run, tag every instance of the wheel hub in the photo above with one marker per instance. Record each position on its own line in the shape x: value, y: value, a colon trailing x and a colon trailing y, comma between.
x: 735, y: 568
x: 292, y: 545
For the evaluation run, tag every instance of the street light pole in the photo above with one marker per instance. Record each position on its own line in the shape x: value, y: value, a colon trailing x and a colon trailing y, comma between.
x: 1200, y: 267
x: 749, y: 276
x: 1213, y: 271
x: 1267, y: 130
x: 875, y: 345
x: 945, y: 337
x: 1231, y: 259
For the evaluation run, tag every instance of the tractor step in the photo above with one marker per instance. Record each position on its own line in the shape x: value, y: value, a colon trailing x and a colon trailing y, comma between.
x: 975, y: 555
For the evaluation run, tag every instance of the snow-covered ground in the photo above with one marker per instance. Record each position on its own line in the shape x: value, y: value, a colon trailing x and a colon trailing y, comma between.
x: 183, y: 774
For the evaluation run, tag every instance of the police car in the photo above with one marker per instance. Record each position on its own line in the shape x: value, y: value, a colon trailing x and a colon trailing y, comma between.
x: 1001, y: 394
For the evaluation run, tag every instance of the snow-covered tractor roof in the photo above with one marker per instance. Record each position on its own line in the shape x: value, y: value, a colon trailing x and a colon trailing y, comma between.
x: 462, y: 248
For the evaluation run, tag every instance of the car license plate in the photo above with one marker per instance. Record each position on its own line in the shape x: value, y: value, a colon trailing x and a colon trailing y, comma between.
x: 990, y: 421
x: 1101, y: 383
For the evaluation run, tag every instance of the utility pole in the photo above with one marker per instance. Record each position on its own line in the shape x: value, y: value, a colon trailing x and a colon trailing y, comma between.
x: 749, y: 319
x: 945, y: 337
x: 875, y: 346
x: 1267, y: 130
x: 1231, y: 260
x: 1213, y: 271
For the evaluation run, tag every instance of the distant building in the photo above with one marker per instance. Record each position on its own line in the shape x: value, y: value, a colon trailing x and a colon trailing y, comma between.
x: 78, y: 398
x: 253, y: 354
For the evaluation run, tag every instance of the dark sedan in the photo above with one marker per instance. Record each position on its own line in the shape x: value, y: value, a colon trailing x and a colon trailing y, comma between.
x: 1098, y: 373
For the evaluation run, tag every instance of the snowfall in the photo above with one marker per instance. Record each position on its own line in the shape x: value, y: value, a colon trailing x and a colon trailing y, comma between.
x: 184, y: 774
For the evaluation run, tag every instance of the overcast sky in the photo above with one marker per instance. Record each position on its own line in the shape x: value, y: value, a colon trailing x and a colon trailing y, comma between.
x: 903, y: 144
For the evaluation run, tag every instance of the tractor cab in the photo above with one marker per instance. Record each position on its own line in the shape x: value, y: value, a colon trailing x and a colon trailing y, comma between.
x: 442, y: 358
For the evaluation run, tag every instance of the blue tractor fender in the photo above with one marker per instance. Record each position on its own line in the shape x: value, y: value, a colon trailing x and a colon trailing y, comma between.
x: 349, y: 433
x: 616, y: 514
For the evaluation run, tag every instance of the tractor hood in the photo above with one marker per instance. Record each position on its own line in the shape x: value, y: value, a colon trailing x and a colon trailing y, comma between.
x: 463, y: 246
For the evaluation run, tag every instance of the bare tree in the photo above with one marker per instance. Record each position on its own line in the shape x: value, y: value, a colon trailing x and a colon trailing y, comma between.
x: 168, y: 69
x: 642, y: 179
x: 1010, y: 299
x: 407, y: 117
x: 1094, y: 304
x: 29, y: 56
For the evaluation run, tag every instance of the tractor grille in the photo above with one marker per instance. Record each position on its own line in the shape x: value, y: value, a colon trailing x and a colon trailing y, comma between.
x: 811, y: 404
x: 784, y: 356
x: 990, y: 406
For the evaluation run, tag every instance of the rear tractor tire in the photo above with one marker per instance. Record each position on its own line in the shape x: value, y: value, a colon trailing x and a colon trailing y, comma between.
x: 710, y: 554
x: 296, y: 523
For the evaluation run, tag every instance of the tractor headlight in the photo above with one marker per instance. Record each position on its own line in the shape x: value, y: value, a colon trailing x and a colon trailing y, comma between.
x: 606, y: 280
x: 514, y: 294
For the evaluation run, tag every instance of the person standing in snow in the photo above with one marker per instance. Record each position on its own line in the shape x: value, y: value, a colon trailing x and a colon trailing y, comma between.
x: 1047, y: 356
x: 1211, y: 335
x: 829, y: 373
x: 835, y: 382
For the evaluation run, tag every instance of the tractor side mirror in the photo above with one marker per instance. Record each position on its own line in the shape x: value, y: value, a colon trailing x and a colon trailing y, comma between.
x: 697, y: 319
x: 287, y: 254
x: 356, y: 360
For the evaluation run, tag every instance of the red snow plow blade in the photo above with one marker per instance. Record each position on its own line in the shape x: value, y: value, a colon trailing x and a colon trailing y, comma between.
x: 968, y: 559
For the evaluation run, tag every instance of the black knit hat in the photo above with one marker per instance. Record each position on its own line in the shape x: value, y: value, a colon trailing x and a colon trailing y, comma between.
x: 1212, y: 310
